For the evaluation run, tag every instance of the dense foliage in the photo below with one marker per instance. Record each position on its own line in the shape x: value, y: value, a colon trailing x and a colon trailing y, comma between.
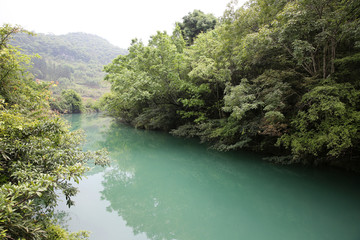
x: 275, y: 76
x: 69, y: 102
x: 195, y: 23
x: 72, y: 61
x: 39, y: 156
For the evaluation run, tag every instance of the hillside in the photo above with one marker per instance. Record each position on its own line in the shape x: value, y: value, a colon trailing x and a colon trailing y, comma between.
x: 72, y: 61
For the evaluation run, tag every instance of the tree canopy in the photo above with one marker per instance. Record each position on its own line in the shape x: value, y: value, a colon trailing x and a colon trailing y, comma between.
x: 195, y: 23
x: 274, y: 76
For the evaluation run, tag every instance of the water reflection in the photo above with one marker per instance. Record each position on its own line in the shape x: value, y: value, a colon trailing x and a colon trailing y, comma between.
x: 95, y: 127
x: 163, y: 187
x: 169, y: 188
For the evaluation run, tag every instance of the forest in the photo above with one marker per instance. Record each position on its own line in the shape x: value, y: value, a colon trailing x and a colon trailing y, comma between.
x: 278, y: 77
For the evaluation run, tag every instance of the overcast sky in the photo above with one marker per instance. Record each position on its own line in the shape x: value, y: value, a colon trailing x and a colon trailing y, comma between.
x: 118, y: 21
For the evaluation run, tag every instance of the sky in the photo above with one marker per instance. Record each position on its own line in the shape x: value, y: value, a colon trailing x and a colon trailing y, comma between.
x: 118, y: 21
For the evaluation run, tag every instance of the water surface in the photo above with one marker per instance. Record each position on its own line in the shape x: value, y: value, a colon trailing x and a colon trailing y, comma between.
x: 164, y: 187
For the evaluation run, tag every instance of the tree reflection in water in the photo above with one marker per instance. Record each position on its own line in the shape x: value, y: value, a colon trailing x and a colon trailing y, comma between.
x: 170, y: 188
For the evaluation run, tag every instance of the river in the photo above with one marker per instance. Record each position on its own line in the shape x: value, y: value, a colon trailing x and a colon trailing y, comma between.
x: 164, y: 188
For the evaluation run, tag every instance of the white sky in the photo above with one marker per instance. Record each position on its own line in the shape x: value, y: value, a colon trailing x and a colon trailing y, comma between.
x: 118, y: 21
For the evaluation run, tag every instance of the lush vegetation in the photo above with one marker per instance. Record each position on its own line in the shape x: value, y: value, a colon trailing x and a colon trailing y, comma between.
x: 195, y: 23
x: 39, y: 156
x: 72, y: 61
x: 69, y: 102
x: 276, y: 76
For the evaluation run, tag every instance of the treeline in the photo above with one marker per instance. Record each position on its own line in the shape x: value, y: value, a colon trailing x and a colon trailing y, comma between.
x: 281, y: 77
x: 73, y: 61
x: 70, y: 101
x: 39, y: 156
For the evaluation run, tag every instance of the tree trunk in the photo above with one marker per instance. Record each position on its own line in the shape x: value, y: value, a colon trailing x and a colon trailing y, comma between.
x: 324, y: 62
x: 333, y: 54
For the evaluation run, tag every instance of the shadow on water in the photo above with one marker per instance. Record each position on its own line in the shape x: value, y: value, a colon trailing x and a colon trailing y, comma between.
x: 171, y: 188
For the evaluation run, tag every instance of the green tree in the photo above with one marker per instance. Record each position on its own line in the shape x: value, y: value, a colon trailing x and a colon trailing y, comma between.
x: 195, y: 23
x: 282, y: 72
x: 208, y: 72
x: 145, y: 83
x: 39, y: 156
x: 327, y: 125
x: 72, y: 101
x: 69, y: 102
x: 13, y: 69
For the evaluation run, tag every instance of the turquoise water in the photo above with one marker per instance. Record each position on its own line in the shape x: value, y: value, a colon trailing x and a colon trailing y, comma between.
x: 163, y: 187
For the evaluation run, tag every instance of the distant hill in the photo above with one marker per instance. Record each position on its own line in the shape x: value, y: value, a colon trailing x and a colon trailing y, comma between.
x: 74, y: 60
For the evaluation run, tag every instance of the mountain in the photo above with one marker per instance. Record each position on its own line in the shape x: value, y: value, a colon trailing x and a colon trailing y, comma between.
x: 73, y: 61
